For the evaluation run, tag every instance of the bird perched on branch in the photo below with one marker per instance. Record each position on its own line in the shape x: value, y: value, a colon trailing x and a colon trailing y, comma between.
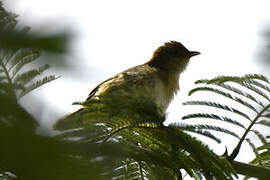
x: 160, y: 75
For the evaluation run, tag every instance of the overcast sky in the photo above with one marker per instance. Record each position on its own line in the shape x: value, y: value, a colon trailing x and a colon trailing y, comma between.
x: 112, y: 35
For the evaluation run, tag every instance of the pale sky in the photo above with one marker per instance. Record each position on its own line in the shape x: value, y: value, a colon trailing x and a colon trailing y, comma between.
x: 113, y: 35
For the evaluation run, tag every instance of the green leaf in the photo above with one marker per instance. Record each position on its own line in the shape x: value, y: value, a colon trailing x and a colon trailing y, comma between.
x: 260, y: 136
x: 225, y: 94
x: 218, y: 80
x: 264, y: 147
x: 256, y: 90
x: 244, y: 81
x: 222, y: 79
x: 242, y: 93
x: 253, y: 147
x: 259, y: 84
x: 9, y: 55
x: 216, y: 128
x: 27, y: 76
x: 194, y: 129
x: 213, y: 116
x: 217, y: 105
x: 264, y: 122
x: 23, y: 62
x: 220, y: 168
x: 23, y: 54
x: 266, y: 115
x: 18, y: 87
x: 37, y: 84
x: 255, y: 76
x: 130, y: 169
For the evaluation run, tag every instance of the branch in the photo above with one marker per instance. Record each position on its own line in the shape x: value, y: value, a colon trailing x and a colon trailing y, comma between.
x: 251, y: 170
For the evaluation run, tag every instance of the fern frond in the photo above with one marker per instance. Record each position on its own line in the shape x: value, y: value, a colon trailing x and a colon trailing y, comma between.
x: 253, y: 147
x: 242, y: 81
x: 262, y: 160
x: 256, y: 90
x: 20, y: 54
x: 225, y: 94
x: 213, y: 163
x: 37, y: 84
x: 242, y: 93
x: 130, y: 169
x: 28, y: 76
x: 15, y: 58
x: 255, y: 76
x: 259, y: 84
x: 22, y: 62
x: 13, y: 54
x: 144, y: 158
x: 223, y: 79
x: 218, y: 80
x: 260, y: 136
x: 217, y: 105
x: 267, y: 115
x: 194, y: 129
x: 216, y: 128
x: 264, y: 123
x: 213, y: 116
x: 264, y: 147
x: 154, y: 140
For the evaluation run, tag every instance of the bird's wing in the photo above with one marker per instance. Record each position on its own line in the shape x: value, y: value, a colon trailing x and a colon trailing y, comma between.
x: 97, y: 89
x: 137, y: 77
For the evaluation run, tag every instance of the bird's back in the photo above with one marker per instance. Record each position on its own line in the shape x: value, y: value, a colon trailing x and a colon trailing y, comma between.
x: 139, y: 79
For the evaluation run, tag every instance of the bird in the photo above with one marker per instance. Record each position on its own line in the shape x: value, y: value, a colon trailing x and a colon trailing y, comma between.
x: 160, y: 74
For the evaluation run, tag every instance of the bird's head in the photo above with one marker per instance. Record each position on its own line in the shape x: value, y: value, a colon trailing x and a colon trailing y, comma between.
x: 172, y: 56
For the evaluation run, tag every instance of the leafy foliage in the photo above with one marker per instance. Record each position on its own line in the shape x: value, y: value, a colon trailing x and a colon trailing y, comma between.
x: 17, y: 77
x: 262, y: 158
x: 23, y: 153
x: 251, y: 92
x: 262, y: 155
x: 26, y: 155
x: 133, y: 122
x: 16, y: 82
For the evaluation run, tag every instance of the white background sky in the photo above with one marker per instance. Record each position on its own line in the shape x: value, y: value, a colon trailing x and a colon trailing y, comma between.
x: 112, y: 35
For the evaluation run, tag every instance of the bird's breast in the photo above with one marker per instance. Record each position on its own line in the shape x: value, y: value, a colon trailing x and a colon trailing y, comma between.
x: 167, y: 87
x: 164, y: 93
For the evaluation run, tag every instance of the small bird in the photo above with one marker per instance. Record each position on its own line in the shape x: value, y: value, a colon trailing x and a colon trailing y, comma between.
x: 160, y: 74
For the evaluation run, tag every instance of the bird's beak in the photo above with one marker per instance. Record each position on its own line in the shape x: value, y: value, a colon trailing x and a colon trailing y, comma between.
x: 194, y: 53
